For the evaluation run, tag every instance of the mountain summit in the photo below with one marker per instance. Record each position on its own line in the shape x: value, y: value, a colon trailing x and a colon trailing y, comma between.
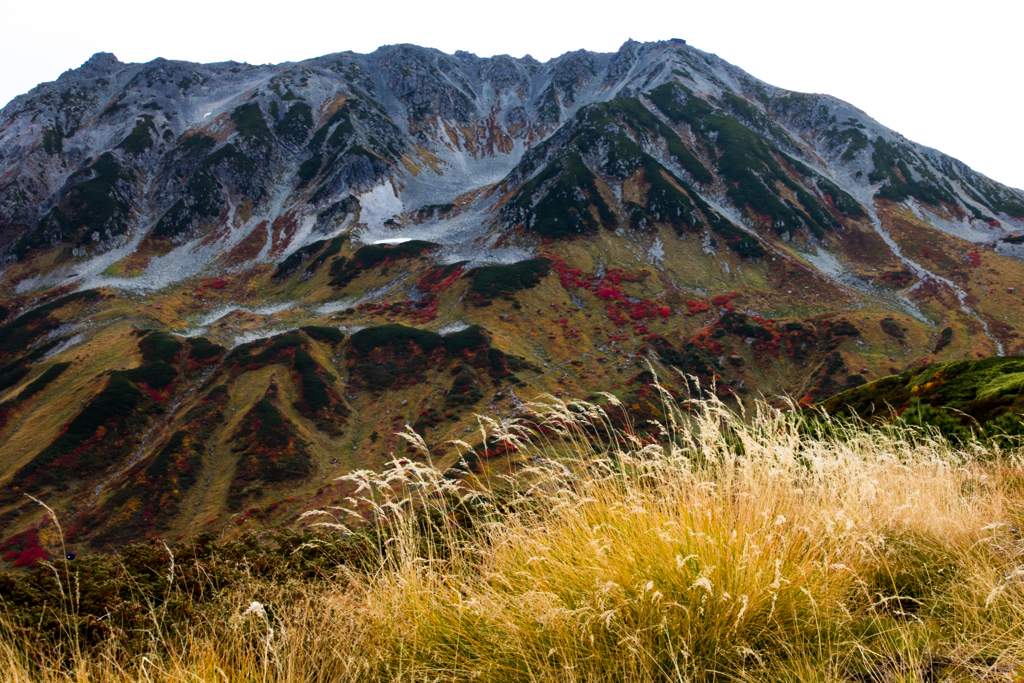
x: 226, y: 285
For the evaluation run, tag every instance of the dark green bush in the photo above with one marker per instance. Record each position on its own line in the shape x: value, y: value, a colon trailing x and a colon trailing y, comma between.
x: 314, y: 389
x: 250, y: 124
x: 491, y: 281
x: 159, y: 346
x: 398, y: 336
x: 330, y: 335
x: 140, y: 139
x: 51, y: 373
x: 562, y: 212
x: 158, y: 375
x: 202, y: 349
x: 94, y: 205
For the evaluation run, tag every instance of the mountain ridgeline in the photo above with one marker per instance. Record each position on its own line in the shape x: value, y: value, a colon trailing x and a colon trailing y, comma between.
x: 223, y: 286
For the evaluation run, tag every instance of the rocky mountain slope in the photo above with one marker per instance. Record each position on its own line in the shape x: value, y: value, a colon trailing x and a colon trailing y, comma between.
x: 225, y: 285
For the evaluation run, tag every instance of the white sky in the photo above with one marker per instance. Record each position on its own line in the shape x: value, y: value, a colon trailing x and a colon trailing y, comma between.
x: 944, y: 74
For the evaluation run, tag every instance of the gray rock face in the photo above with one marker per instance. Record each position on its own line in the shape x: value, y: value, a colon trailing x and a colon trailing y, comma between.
x: 172, y: 152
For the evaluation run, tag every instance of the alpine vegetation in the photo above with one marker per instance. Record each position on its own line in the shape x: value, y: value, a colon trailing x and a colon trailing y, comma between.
x: 776, y: 547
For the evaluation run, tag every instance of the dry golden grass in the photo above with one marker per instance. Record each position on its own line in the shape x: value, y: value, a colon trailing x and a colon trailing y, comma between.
x: 729, y: 550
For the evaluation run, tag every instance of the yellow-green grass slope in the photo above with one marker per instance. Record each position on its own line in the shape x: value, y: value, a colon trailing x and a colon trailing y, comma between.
x: 755, y: 549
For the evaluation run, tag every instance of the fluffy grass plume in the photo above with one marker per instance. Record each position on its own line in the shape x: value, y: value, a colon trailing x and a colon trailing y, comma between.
x: 769, y: 547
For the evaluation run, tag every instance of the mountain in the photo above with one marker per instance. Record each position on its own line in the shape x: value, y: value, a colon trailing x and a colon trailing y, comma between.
x: 226, y: 285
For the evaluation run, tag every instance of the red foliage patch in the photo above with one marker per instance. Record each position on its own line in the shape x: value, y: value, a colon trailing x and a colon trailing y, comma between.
x: 439, y: 278
x: 619, y: 307
x: 23, y: 550
x: 419, y: 311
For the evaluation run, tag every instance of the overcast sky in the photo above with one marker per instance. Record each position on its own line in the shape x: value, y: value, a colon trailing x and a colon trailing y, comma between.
x: 947, y: 75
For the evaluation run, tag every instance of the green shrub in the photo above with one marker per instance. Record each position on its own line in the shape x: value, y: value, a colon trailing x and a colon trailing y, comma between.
x: 140, y: 139
x: 19, y: 334
x: 314, y: 389
x: 12, y: 374
x: 329, y: 335
x: 561, y: 212
x: 202, y: 349
x: 158, y: 375
x: 491, y: 281
x: 468, y: 339
x: 53, y: 140
x: 892, y: 328
x: 308, y: 169
x: 945, y: 337
x: 51, y: 373
x: 270, y: 451
x: 117, y: 402
x: 888, y: 160
x: 159, y: 346
x: 983, y: 396
x: 250, y: 124
x: 398, y: 336
x: 746, y: 162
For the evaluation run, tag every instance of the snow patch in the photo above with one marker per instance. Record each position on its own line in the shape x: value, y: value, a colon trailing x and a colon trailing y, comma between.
x: 453, y: 327
x: 656, y: 254
x: 61, y: 348
x: 204, y: 322
x: 335, y: 306
x: 1013, y: 250
x: 378, y: 205
x: 826, y: 263
x: 255, y: 335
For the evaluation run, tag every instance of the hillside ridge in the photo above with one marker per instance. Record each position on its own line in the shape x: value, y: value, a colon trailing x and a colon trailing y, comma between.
x: 353, y: 245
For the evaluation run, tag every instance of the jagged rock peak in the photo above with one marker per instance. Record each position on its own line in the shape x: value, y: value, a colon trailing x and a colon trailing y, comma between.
x: 99, y: 64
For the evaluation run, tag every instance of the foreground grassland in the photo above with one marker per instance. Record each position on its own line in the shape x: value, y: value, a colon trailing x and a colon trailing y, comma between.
x: 769, y: 548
